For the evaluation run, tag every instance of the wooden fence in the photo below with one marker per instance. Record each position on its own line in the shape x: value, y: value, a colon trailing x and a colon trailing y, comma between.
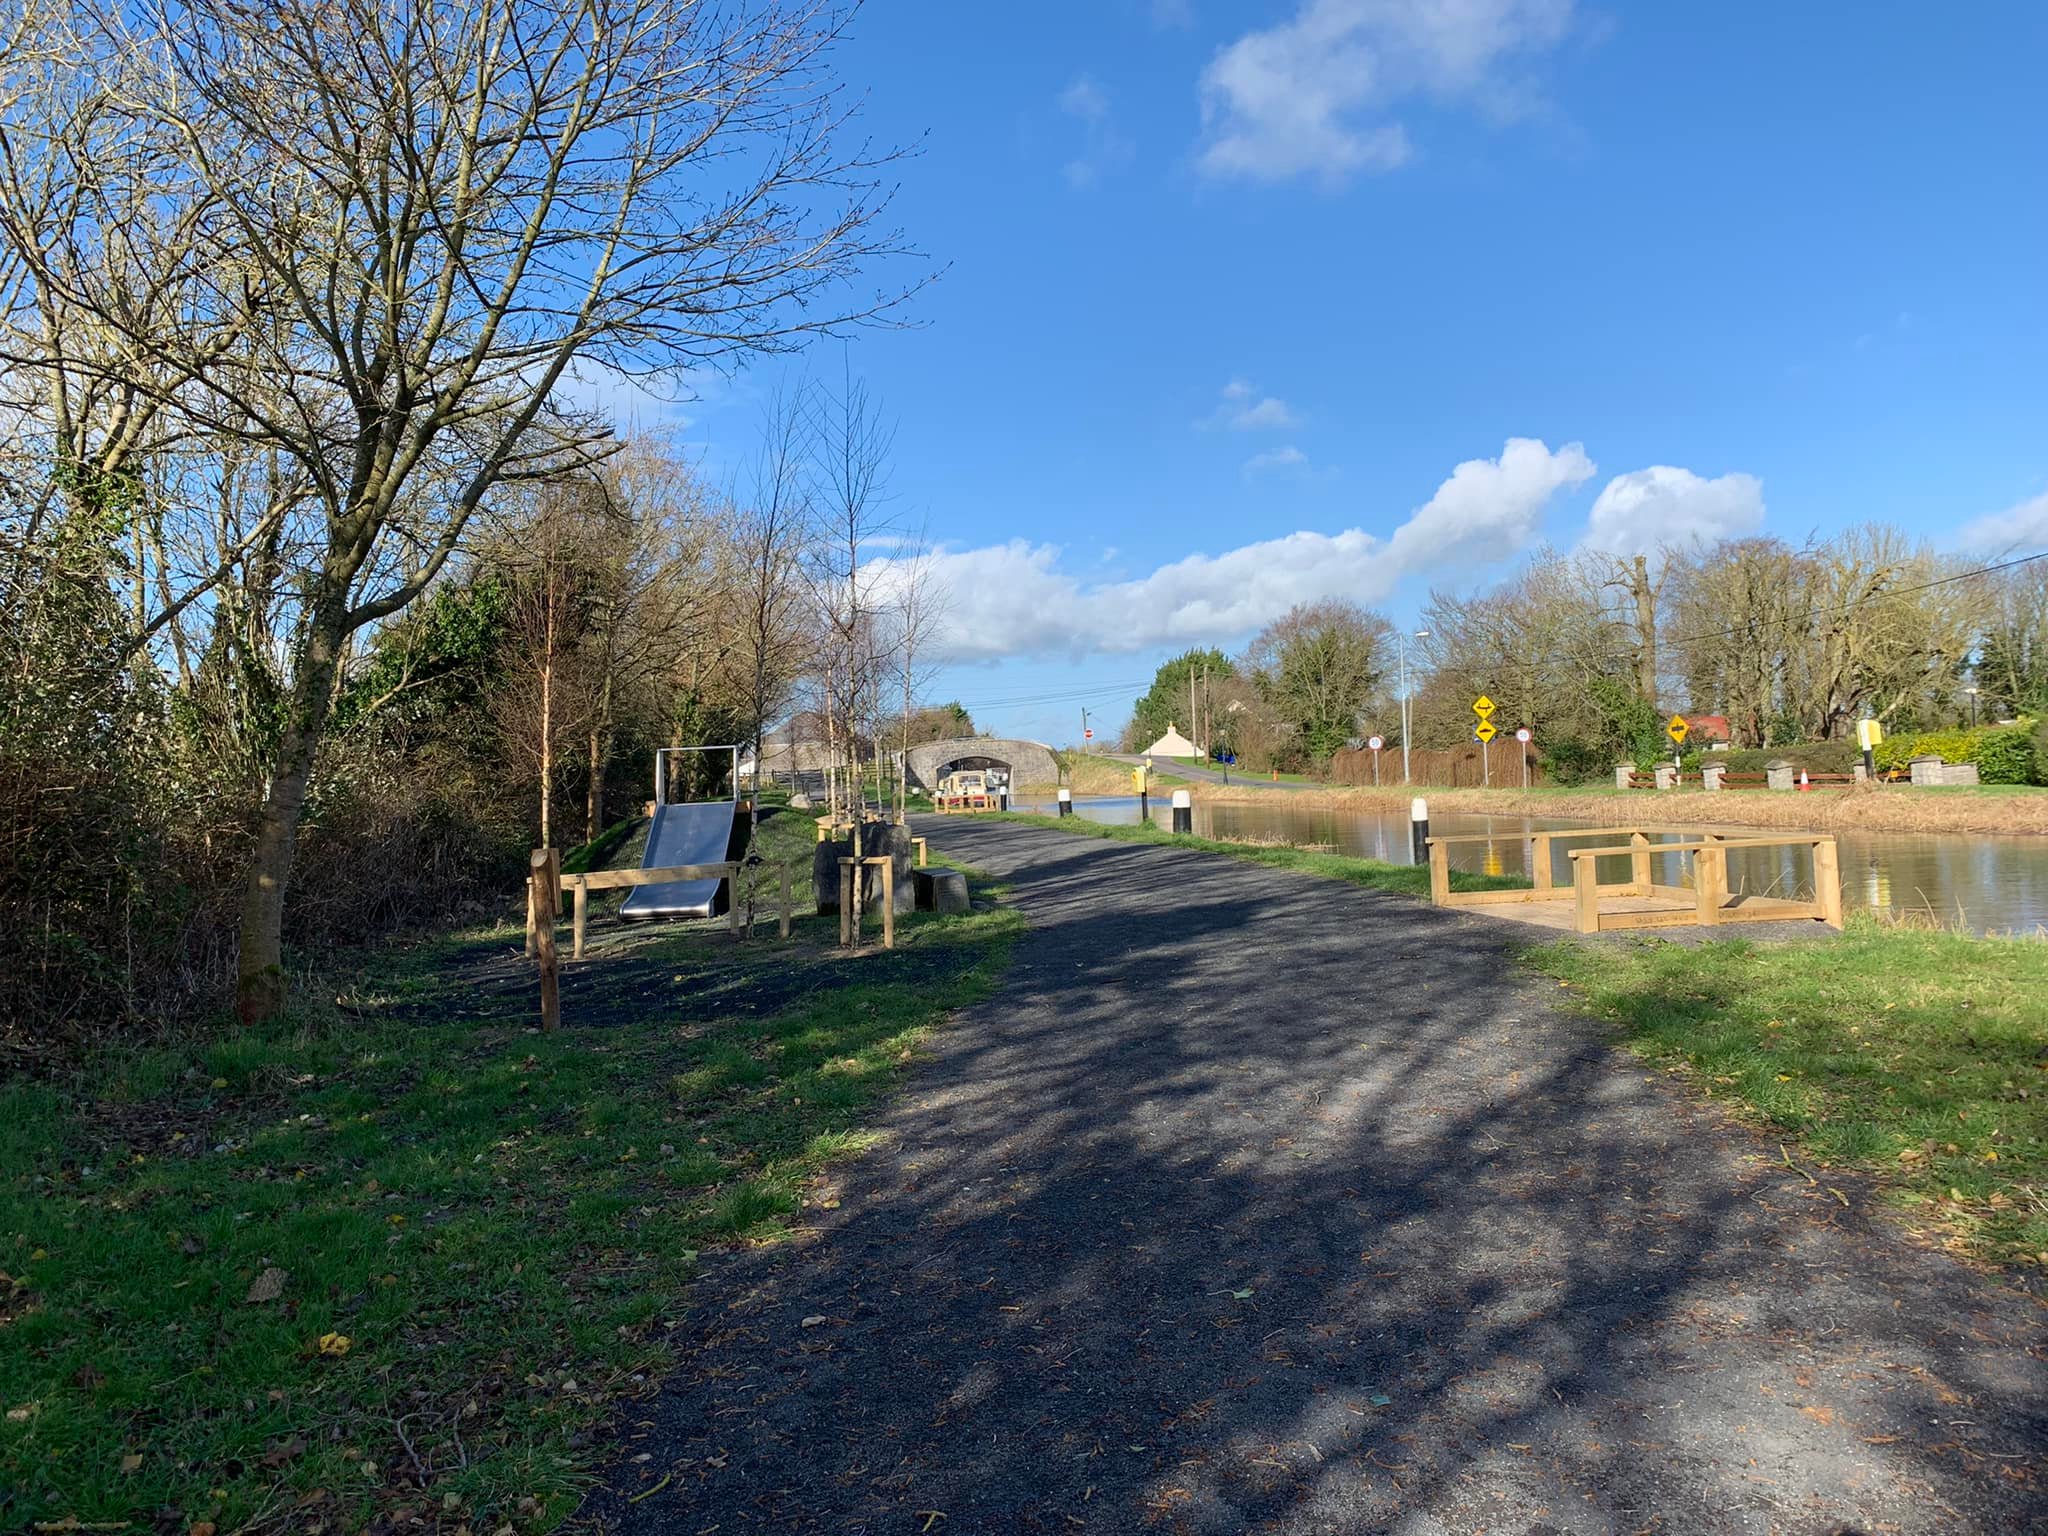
x: 1454, y: 767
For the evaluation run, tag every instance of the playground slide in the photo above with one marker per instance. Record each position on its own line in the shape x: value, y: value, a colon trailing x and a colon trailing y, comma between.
x: 682, y: 834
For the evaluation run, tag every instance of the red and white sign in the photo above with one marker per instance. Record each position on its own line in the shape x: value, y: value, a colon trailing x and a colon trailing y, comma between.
x: 1524, y: 735
x: 1375, y: 743
x: 1088, y: 735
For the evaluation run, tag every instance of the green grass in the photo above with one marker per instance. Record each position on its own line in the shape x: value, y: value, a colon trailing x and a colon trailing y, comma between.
x: 1915, y: 1056
x: 1407, y: 879
x: 1241, y: 774
x: 501, y: 1224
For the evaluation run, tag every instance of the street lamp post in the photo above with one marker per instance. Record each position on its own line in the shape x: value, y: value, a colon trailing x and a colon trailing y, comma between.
x: 1401, y: 642
x: 1972, y: 692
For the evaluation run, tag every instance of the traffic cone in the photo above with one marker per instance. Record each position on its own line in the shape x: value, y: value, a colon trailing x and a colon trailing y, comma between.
x: 1804, y: 784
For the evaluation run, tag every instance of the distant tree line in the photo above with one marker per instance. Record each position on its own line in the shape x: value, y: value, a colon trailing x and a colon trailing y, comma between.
x: 1593, y: 652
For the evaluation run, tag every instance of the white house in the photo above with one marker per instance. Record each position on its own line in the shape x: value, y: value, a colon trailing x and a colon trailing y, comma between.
x: 1173, y: 744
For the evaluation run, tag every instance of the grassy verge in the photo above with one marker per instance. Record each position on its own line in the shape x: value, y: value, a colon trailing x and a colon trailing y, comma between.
x: 1407, y: 879
x: 396, y: 1261
x: 1917, y: 1057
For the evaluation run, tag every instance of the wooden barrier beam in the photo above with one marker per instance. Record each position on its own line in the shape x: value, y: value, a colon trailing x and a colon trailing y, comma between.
x: 619, y: 879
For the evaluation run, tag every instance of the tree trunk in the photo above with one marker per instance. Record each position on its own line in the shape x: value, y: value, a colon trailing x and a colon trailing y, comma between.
x: 600, y: 730
x: 547, y: 752
x: 259, y: 972
x: 1646, y: 627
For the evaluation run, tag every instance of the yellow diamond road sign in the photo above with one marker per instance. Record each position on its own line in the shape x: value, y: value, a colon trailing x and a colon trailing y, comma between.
x: 1676, y: 729
x: 1482, y: 706
x: 1484, y: 730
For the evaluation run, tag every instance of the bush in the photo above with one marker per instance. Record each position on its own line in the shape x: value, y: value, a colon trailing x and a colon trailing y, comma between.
x: 1572, y: 761
x: 1813, y: 756
x: 1956, y: 746
x: 2007, y: 756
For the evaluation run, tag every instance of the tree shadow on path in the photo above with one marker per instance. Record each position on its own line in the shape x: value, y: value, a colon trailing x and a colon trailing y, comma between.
x: 1258, y: 1203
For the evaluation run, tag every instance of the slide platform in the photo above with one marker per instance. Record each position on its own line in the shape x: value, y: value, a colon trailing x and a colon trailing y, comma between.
x: 683, y: 834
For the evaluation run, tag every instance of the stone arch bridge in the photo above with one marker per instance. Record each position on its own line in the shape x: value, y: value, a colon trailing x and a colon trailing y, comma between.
x: 1028, y: 762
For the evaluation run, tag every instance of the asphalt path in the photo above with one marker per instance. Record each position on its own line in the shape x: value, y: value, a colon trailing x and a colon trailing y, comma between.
x: 1259, y: 1203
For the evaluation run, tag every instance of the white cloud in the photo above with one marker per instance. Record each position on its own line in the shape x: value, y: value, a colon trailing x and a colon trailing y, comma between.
x: 1244, y: 409
x: 1289, y: 457
x: 2019, y: 529
x: 1104, y: 148
x: 1646, y: 509
x: 1013, y: 599
x: 1312, y: 96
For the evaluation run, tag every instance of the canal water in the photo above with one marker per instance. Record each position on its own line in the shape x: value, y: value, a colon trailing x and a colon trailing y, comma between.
x: 1989, y: 884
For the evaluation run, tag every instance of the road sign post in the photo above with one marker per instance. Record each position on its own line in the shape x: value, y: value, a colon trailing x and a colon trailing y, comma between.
x: 1676, y: 729
x: 1483, y: 733
x: 1375, y: 743
x: 1524, y: 735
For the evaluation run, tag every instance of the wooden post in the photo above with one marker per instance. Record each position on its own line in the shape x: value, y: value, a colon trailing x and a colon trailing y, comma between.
x: 922, y: 849
x: 1639, y: 861
x: 846, y: 935
x: 1439, y: 873
x: 733, y: 916
x: 1710, y: 883
x: 532, y: 913
x: 1827, y: 880
x: 582, y: 899
x: 1539, y: 861
x: 785, y: 901
x: 888, y: 903
x: 547, y: 881
x: 1586, y: 893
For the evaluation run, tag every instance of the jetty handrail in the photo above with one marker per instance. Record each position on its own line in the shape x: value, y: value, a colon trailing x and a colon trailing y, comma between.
x: 1557, y: 832
x: 1788, y: 840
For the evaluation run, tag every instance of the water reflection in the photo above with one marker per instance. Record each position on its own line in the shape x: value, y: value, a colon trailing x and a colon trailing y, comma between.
x: 1991, y: 884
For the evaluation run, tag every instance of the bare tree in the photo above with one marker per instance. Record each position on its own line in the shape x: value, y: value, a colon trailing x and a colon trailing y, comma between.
x: 390, y: 229
x: 850, y: 445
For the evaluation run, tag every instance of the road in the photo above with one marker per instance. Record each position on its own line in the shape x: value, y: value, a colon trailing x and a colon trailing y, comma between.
x: 1258, y: 1203
x: 1209, y: 775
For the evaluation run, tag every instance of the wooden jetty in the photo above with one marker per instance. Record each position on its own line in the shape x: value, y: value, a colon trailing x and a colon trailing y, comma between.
x: 1586, y: 905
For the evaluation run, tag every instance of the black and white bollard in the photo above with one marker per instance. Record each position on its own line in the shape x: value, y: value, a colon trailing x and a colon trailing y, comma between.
x: 1066, y: 802
x: 1418, y: 828
x: 1003, y: 798
x: 1183, y: 813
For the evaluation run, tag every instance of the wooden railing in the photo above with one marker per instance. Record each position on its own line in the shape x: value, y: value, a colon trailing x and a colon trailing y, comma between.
x: 1707, y: 901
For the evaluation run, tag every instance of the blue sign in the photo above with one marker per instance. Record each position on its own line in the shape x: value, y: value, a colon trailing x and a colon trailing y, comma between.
x: 1230, y: 757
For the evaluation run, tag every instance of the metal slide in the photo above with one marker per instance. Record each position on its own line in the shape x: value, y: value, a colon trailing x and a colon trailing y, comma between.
x: 683, y: 834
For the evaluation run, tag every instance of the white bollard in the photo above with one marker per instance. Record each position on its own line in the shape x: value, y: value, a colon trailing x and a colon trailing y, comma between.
x: 1183, y: 812
x: 1418, y: 828
x: 1066, y: 802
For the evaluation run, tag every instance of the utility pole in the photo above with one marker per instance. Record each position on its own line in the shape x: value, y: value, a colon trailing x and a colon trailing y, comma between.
x: 1401, y: 642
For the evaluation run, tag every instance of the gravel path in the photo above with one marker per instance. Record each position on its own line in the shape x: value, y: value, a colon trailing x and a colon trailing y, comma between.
x: 1259, y: 1203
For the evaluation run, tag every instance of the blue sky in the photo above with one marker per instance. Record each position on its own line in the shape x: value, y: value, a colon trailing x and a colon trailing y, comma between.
x: 1252, y: 281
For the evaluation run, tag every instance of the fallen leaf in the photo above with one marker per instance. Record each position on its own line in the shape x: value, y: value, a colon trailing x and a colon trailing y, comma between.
x: 814, y: 1319
x: 131, y: 1463
x: 335, y: 1344
x: 268, y: 1284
